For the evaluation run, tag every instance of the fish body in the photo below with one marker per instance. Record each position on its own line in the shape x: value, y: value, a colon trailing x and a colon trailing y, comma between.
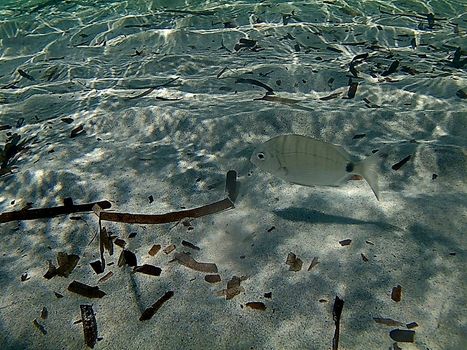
x: 309, y: 162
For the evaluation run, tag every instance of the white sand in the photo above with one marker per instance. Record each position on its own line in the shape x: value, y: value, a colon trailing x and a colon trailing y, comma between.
x: 179, y: 152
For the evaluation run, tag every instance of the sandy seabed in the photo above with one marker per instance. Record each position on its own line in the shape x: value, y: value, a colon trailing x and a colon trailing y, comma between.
x: 164, y: 97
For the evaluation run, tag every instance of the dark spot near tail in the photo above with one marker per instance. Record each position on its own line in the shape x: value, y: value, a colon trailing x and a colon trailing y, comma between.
x: 349, y: 167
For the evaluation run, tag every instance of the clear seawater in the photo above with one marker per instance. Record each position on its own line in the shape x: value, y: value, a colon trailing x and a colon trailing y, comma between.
x: 86, y: 62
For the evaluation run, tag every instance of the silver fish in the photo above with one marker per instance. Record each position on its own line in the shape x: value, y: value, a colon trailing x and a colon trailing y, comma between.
x: 309, y: 162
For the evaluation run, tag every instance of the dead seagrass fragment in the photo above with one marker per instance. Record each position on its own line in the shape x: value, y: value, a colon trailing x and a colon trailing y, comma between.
x: 402, y: 335
x: 169, y: 249
x: 345, y: 242
x: 191, y: 263
x: 231, y: 185
x: 106, y: 277
x: 212, y: 278
x: 148, y: 270
x: 190, y: 245
x: 150, y: 311
x: 154, y: 249
x: 295, y: 264
x: 89, y: 325
x: 85, y: 290
x: 396, y: 294
x: 256, y: 305
x: 39, y: 327
x: 66, y: 262
x: 127, y: 257
x: 314, y: 262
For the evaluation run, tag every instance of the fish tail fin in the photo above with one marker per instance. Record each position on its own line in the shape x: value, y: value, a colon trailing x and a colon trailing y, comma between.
x: 368, y: 168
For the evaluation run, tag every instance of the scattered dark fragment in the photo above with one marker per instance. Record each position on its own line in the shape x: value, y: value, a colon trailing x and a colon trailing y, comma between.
x: 44, y: 313
x: 154, y: 249
x: 336, y: 316
x: 396, y: 347
x: 361, y: 56
x: 323, y: 300
x: 271, y: 228
x: 5, y: 127
x: 256, y: 305
x: 297, y: 47
x: 399, y: 164
x: 295, y: 264
x: 314, y: 262
x: 191, y: 263
x: 169, y: 249
x: 402, y: 335
x: 345, y: 242
x: 127, y: 257
x: 330, y: 97
x: 434, y: 176
x: 97, y: 266
x: 132, y: 235
x: 231, y: 187
x: 358, y: 136
x: 396, y: 293
x: 369, y: 242
x: 270, y: 91
x: 148, y: 270
x: 268, y: 295
x: 364, y: 258
x: 67, y: 120
x: 392, y: 68
x: 106, y: 240
x: 77, y: 131
x: 456, y: 60
x: 67, y: 263
x: 89, y: 325
x: 212, y: 278
x: 452, y: 254
x: 247, y: 42
x: 58, y: 295
x: 151, y: 199
x: 31, y: 214
x: 190, y: 245
x: 387, y: 321
x: 461, y: 93
x: 221, y: 72
x: 77, y: 218
x: 25, y: 277
x: 233, y: 288
x: 353, y: 70
x: 85, y: 290
x: 106, y: 277
x: 26, y: 75
x: 120, y: 242
x: 68, y: 202
x: 51, y: 272
x: 412, y: 325
x: 150, y: 311
x: 431, y: 20
x: 39, y: 327
x: 352, y: 90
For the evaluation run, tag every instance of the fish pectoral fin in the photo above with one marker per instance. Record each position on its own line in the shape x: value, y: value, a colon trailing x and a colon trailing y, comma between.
x: 368, y: 168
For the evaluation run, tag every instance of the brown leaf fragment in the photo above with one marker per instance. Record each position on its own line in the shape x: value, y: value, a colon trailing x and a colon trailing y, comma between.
x: 412, y: 325
x: 314, y: 262
x: 330, y: 97
x: 127, y: 257
x: 364, y: 258
x: 345, y: 242
x: 396, y: 293
x: 51, y: 272
x: 231, y: 185
x: 77, y: 131
x: 212, y: 278
x: 39, y: 327
x: 150, y: 311
x: 402, y: 335
x: 105, y: 277
x: 399, y: 164
x: 191, y: 263
x: 154, y: 249
x: 268, y: 295
x: 89, y: 325
x: 169, y: 249
x: 256, y: 305
x: 190, y: 245
x: 148, y: 270
x: 295, y: 264
x: 44, y: 313
x: 120, y: 242
x: 387, y: 321
x: 85, y: 290
x: 67, y: 263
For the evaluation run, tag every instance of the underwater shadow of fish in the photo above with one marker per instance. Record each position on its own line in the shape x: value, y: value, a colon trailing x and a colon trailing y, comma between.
x: 314, y: 216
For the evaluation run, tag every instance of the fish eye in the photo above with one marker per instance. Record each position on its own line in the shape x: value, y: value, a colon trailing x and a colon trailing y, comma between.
x: 260, y: 156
